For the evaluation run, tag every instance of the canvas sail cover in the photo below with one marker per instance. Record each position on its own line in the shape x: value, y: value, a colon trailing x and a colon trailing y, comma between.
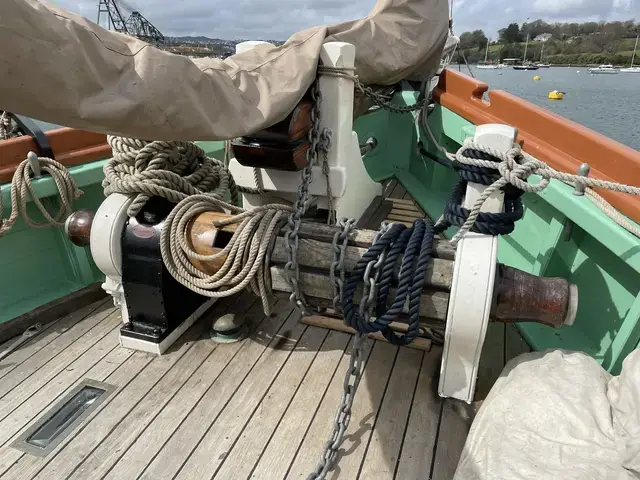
x: 557, y: 415
x: 61, y: 68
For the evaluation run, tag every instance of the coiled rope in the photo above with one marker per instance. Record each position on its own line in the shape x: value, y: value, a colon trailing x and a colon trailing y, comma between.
x: 8, y: 128
x: 515, y: 166
x: 22, y: 191
x: 415, y: 245
x: 171, y: 170
x: 183, y: 174
x: 245, y: 258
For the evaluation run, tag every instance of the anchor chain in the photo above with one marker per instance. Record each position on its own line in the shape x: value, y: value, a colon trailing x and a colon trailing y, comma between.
x: 339, y: 248
x: 343, y: 417
x: 354, y: 373
x: 320, y: 141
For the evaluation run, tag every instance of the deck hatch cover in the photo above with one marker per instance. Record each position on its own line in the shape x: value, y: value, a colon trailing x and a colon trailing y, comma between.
x: 63, y: 418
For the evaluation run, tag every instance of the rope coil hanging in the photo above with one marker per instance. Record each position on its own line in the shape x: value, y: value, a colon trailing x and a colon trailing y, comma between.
x: 22, y: 192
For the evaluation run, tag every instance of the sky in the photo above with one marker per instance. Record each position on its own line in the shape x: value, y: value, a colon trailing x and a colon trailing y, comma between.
x: 278, y: 19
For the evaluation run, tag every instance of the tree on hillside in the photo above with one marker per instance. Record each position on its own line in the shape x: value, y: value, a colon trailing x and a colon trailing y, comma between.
x: 474, y: 39
x: 511, y: 34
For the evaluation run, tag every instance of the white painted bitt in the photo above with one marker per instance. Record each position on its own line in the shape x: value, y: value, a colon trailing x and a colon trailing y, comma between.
x: 352, y: 188
x: 472, y: 287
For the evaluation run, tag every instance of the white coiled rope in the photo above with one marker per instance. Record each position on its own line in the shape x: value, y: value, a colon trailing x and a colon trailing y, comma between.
x: 171, y: 170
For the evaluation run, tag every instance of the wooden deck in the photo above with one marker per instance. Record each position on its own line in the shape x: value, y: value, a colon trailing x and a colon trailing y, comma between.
x: 259, y: 409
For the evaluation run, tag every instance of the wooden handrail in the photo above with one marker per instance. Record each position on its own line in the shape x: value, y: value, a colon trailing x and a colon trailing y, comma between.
x: 70, y: 147
x: 561, y: 143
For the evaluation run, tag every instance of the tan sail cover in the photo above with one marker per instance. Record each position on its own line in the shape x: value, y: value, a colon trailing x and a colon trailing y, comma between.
x: 61, y: 68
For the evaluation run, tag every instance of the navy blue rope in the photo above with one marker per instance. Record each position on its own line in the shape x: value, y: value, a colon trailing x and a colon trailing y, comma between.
x: 416, y: 242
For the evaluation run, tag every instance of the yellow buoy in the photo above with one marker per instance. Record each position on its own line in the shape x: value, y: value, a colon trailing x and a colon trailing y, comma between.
x: 556, y: 95
x: 537, y: 77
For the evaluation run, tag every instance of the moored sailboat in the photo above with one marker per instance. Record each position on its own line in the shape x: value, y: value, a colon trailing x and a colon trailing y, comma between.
x: 631, y: 68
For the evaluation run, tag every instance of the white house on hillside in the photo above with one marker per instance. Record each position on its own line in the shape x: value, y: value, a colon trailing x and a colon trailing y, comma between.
x: 543, y: 37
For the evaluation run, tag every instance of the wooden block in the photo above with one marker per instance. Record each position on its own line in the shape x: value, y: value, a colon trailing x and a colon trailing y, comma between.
x: 335, y: 324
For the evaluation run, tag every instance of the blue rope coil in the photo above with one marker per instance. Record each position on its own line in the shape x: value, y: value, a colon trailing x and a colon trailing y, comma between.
x: 417, y: 244
x: 486, y: 223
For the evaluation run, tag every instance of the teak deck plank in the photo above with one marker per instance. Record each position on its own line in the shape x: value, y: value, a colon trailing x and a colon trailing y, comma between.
x: 385, y: 443
x: 133, y: 460
x: 178, y: 449
x: 266, y: 416
x: 290, y: 432
x: 416, y: 456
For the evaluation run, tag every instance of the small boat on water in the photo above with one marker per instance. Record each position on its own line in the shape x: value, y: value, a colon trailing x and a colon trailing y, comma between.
x: 525, y: 64
x: 631, y: 68
x: 543, y: 65
x: 529, y: 66
x: 485, y: 65
x: 604, y: 70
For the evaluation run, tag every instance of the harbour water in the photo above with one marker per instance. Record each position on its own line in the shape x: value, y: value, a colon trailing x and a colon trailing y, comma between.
x: 608, y: 104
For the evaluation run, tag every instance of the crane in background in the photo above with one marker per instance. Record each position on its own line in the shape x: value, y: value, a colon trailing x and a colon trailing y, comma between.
x: 113, y: 12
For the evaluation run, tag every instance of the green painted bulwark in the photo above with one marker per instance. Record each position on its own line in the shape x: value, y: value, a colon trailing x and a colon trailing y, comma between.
x: 560, y: 235
x: 41, y: 265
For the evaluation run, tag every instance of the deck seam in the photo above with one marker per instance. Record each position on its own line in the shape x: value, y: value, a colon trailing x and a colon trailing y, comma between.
x: 315, y: 413
x: 88, y: 420
x: 200, y: 399
x: 48, y: 405
x: 236, y: 391
x: 406, y: 424
x: 135, y: 406
x: 435, y: 442
x: 124, y: 452
x: 375, y: 421
x: 114, y: 396
x: 34, y: 339
x: 106, y: 317
x: 326, y: 334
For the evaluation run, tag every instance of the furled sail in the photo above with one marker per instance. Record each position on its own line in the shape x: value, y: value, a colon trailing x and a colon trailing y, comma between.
x: 62, y: 68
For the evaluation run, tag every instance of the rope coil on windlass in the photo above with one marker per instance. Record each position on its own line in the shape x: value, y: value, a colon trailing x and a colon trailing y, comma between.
x: 171, y: 170
x: 415, y: 246
x: 245, y: 261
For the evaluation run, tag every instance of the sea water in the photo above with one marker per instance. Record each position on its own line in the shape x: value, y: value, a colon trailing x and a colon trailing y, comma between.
x: 608, y: 104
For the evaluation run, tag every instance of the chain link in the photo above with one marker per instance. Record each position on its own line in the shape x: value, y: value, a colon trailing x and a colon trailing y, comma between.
x: 380, y: 100
x: 324, y: 146
x: 339, y: 244
x: 319, y: 142
x: 352, y: 379
x: 370, y: 278
x: 341, y: 422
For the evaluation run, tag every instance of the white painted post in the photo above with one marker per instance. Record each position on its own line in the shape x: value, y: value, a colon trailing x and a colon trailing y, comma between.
x: 337, y: 114
x: 472, y: 286
x: 352, y: 188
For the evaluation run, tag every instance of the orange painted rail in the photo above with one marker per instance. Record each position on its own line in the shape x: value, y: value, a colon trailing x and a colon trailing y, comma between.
x: 70, y: 147
x: 561, y: 143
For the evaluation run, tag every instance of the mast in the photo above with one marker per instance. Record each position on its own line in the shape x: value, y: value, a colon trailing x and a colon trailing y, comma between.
x: 486, y: 52
x: 524, y: 60
x: 542, y: 52
x: 633, y: 57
